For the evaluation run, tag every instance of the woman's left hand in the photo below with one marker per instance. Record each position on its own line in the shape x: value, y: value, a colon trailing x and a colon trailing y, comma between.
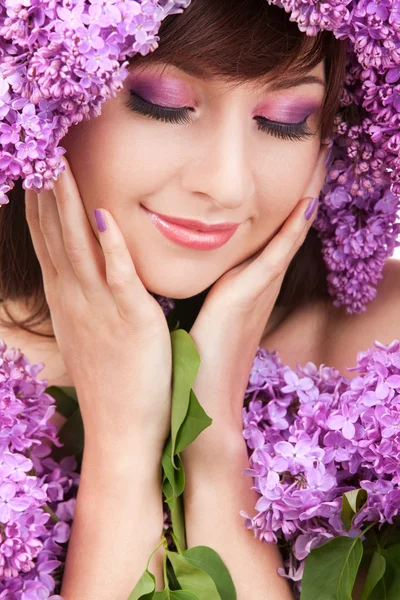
x: 230, y: 324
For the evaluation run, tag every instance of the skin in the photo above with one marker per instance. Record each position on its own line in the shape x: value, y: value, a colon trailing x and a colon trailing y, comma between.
x: 206, y: 161
x: 197, y: 170
x: 219, y: 167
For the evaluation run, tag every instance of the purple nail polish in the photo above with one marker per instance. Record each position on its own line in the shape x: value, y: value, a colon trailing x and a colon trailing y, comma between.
x: 311, y: 207
x: 100, y: 220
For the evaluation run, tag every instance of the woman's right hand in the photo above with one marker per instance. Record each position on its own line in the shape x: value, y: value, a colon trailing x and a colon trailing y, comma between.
x: 112, y: 334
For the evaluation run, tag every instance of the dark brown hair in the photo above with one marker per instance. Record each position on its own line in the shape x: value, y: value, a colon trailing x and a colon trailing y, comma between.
x: 240, y: 41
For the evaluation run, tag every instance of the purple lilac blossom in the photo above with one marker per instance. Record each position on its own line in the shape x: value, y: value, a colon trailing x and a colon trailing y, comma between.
x: 37, y: 494
x: 32, y: 484
x: 344, y: 436
x: 360, y: 199
x: 59, y: 62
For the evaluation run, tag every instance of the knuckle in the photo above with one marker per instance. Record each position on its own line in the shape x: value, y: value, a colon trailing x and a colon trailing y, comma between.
x: 74, y: 251
x: 113, y: 249
x: 118, y: 280
x: 46, y: 224
x: 62, y: 199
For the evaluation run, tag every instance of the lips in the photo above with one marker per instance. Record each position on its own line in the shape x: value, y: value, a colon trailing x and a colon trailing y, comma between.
x: 198, y: 225
x: 193, y: 234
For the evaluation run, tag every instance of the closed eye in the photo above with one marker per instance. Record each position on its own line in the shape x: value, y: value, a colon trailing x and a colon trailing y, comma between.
x: 166, y: 114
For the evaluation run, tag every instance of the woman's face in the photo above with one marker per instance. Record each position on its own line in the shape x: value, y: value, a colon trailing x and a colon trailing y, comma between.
x: 219, y: 160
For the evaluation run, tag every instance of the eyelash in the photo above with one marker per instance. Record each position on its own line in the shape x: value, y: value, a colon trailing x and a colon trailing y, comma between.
x: 286, y: 131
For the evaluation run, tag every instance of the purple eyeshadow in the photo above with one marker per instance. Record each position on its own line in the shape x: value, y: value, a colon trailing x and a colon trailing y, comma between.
x: 164, y: 91
x: 293, y: 111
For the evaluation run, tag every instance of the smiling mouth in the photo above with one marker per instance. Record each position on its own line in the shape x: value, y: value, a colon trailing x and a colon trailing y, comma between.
x: 192, y: 237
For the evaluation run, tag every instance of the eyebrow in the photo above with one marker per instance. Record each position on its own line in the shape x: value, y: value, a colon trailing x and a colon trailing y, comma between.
x: 288, y: 82
x: 281, y: 83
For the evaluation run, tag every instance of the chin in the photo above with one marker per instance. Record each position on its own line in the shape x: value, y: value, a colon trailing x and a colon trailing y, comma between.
x: 176, y: 288
x: 176, y: 292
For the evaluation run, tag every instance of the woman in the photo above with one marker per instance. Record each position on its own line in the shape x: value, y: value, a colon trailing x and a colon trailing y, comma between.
x: 217, y: 127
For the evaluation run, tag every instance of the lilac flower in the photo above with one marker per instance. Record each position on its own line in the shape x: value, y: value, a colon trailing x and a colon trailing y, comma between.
x: 300, y: 456
x: 357, y: 231
x: 297, y: 385
x: 74, y: 57
x: 32, y: 544
x: 346, y: 439
x: 317, y: 479
x: 379, y: 9
x: 344, y: 420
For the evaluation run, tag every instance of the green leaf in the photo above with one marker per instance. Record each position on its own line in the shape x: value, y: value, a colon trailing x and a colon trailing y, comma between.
x: 352, y: 502
x: 193, y: 579
x: 375, y: 573
x: 388, y: 587
x: 389, y: 534
x: 175, y: 476
x: 175, y: 595
x: 195, y: 422
x: 183, y: 595
x: 331, y: 570
x: 66, y: 399
x: 178, y: 523
x: 209, y: 561
x: 185, y: 365
x: 168, y: 492
x: 173, y: 583
x: 145, y: 587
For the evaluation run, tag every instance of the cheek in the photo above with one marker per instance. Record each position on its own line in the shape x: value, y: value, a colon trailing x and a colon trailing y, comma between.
x: 281, y: 185
x: 117, y: 162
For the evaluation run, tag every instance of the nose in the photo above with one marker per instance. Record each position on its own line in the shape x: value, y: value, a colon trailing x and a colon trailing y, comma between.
x: 219, y: 163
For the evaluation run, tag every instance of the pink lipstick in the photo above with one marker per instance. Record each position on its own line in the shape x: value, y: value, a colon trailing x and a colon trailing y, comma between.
x: 193, y: 234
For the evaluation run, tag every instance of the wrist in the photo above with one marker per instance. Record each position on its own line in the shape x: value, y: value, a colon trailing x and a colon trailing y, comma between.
x: 117, y: 461
x: 215, y: 448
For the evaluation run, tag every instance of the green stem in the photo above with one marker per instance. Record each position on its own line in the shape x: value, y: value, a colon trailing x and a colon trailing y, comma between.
x: 166, y: 583
x: 367, y: 528
x: 377, y: 543
x: 163, y: 541
x: 178, y: 524
x: 52, y: 514
x: 176, y: 542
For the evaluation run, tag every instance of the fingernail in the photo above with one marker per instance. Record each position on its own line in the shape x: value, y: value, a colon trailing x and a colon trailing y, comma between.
x: 311, y: 207
x: 100, y: 220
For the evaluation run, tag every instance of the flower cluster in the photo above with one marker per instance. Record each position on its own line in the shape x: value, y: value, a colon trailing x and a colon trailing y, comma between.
x: 314, y: 435
x: 357, y: 219
x: 37, y: 495
x: 59, y: 62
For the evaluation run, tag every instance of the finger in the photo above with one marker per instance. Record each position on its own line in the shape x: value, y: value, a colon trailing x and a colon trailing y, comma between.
x: 279, y: 253
x: 275, y: 258
x: 51, y: 230
x: 80, y: 243
x: 270, y: 263
x: 39, y: 244
x: 128, y: 291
